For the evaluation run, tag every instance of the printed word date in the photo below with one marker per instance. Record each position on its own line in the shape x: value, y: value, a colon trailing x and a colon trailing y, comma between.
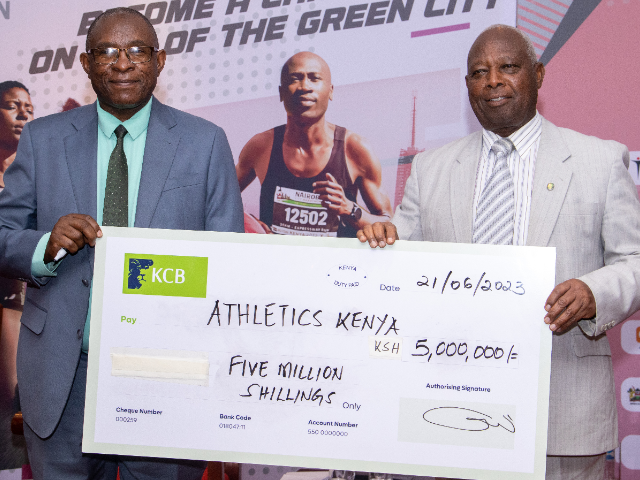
x: 484, y: 284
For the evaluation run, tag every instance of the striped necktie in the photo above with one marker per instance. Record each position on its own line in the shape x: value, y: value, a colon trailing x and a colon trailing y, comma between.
x: 116, y: 193
x: 494, y: 221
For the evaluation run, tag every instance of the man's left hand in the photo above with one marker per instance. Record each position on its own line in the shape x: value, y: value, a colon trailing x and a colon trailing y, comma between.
x: 332, y: 195
x: 568, y: 303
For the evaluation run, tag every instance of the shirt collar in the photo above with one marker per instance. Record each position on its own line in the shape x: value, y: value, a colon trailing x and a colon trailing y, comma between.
x: 135, y: 126
x: 521, y: 138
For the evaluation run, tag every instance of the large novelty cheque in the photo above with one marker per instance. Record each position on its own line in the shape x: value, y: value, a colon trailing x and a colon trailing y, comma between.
x: 422, y: 358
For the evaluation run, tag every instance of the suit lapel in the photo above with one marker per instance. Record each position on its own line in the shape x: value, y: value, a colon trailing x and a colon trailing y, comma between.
x: 159, y: 152
x: 551, y: 181
x: 81, y: 150
x: 462, y: 183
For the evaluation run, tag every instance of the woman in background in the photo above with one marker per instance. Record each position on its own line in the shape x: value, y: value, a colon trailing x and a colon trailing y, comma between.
x: 16, y: 110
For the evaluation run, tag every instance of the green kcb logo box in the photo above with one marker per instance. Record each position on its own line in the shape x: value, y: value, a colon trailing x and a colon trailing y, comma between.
x: 166, y: 275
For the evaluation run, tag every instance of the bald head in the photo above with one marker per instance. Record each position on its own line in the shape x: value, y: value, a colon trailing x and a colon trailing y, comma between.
x: 305, y: 88
x: 515, y: 37
x: 305, y: 60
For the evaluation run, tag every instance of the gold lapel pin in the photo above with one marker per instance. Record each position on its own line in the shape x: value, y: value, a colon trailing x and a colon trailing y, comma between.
x: 550, y: 186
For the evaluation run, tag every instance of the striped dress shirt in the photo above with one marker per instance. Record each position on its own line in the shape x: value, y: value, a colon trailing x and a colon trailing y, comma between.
x: 522, y: 162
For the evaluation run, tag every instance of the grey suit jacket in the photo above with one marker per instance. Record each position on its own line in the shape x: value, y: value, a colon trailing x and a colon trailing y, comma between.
x: 188, y: 182
x: 592, y: 217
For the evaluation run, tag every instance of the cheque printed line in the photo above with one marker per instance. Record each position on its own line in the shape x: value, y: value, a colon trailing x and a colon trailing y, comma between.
x: 459, y: 352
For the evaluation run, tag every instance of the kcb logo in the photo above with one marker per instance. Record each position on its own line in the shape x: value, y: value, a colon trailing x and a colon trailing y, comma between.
x: 166, y: 275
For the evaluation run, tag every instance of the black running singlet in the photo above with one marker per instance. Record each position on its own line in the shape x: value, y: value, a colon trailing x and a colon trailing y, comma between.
x: 288, y: 204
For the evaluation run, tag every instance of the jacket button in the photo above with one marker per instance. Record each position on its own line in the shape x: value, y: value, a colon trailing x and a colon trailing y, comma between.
x: 80, y: 332
x: 86, y: 282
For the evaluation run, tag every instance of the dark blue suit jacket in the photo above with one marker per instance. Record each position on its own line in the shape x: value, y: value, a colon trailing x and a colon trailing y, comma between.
x: 188, y: 183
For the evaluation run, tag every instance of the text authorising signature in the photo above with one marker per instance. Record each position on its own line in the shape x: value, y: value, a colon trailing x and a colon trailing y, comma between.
x: 466, y: 419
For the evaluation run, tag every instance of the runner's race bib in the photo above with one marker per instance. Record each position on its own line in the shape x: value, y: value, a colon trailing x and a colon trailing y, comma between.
x: 301, y: 213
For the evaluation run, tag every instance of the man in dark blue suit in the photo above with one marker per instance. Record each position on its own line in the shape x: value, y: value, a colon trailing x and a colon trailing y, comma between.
x: 126, y: 160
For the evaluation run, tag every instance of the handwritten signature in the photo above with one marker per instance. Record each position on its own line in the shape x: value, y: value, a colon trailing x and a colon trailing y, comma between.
x: 466, y: 419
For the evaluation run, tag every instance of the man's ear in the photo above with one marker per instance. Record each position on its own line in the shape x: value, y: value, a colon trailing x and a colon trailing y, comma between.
x: 162, y: 59
x: 84, y: 60
x: 331, y: 93
x: 539, y: 74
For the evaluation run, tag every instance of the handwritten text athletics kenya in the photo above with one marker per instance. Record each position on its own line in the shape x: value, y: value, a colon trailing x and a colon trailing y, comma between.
x: 273, y: 315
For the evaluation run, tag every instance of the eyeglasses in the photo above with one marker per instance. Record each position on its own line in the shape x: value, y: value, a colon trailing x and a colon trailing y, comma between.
x: 109, y: 55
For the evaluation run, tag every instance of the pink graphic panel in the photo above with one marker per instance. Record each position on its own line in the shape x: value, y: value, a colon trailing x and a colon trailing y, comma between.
x: 592, y: 82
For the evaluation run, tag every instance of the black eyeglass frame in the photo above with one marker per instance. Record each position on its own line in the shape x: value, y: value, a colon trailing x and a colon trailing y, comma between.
x: 126, y: 52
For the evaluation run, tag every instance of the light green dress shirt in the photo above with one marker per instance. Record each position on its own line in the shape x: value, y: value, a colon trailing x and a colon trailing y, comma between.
x: 134, y: 143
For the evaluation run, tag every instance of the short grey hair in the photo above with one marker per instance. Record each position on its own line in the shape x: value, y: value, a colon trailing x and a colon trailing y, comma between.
x: 120, y: 11
x: 530, y: 49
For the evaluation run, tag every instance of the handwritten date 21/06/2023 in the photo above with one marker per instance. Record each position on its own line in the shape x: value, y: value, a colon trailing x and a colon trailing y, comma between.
x: 483, y: 284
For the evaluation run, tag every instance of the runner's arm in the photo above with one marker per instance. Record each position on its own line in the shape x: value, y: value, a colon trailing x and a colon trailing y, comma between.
x: 362, y: 159
x: 254, y: 159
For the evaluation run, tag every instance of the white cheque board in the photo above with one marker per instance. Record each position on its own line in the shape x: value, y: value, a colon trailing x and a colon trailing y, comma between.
x: 421, y: 359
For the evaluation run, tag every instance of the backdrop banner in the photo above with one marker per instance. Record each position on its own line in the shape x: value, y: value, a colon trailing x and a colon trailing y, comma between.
x: 225, y: 58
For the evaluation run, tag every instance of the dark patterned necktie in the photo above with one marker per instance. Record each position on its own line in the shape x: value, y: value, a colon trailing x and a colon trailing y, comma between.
x: 495, y: 216
x: 116, y: 193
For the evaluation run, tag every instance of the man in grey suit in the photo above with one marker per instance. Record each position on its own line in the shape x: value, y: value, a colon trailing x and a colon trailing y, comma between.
x: 127, y: 160
x: 564, y: 190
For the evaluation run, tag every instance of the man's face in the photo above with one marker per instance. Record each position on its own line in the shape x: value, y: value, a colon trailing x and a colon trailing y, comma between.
x: 15, y: 111
x: 123, y: 88
x: 306, y: 87
x: 502, y: 82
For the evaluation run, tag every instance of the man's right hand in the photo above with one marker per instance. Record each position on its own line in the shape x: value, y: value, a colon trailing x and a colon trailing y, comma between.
x: 72, y: 232
x: 379, y: 234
